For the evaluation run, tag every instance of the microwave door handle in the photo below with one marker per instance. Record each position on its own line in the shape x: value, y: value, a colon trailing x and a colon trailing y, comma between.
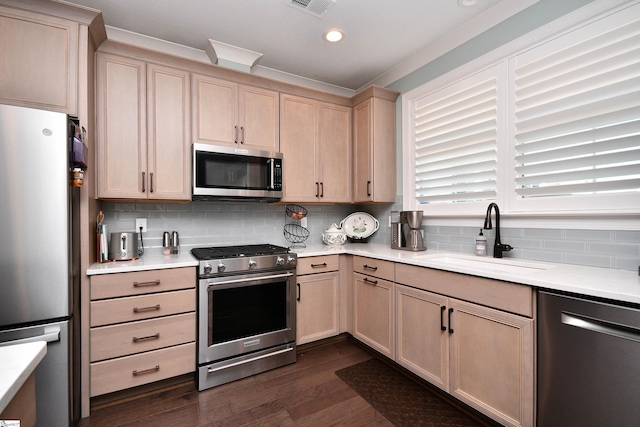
x: 272, y: 170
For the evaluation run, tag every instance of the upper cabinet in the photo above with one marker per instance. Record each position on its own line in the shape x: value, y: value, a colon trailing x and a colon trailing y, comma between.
x: 225, y: 112
x: 143, y: 138
x: 43, y: 52
x: 374, y: 146
x: 315, y: 141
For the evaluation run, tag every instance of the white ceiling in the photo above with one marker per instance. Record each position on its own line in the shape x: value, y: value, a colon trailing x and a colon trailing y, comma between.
x: 379, y: 34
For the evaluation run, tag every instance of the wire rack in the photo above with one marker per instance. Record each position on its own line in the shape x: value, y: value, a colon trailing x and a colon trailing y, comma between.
x: 295, y: 233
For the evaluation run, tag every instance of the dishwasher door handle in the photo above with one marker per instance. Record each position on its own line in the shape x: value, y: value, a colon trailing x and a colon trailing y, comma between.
x: 602, y: 326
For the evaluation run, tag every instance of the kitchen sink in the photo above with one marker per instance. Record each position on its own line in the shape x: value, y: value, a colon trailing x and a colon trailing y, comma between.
x: 486, y: 264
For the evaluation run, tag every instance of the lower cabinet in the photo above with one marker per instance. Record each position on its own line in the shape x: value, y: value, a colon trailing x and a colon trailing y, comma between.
x: 481, y: 355
x: 423, y: 341
x: 143, y: 328
x: 318, y: 298
x: 373, y: 313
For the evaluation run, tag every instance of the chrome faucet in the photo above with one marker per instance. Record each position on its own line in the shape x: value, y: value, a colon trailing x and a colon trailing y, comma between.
x: 498, y: 247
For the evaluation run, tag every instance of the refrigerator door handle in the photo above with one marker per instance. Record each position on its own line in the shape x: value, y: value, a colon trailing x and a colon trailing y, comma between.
x: 51, y: 334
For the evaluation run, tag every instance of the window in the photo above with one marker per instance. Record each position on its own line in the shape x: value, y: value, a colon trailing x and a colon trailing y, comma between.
x: 546, y: 129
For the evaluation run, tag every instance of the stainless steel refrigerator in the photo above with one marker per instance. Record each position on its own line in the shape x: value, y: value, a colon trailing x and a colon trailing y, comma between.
x: 39, y: 262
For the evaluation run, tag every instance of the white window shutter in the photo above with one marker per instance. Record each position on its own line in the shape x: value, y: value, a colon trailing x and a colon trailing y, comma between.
x: 456, y: 142
x: 577, y: 119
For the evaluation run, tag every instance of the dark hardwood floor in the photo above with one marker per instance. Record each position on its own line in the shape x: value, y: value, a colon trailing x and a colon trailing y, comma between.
x: 306, y: 393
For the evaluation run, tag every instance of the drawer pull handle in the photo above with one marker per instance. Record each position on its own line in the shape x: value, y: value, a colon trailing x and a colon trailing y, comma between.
x: 324, y: 264
x: 150, y: 337
x: 151, y: 283
x: 143, y: 309
x: 370, y: 267
x: 146, y: 371
x: 371, y: 282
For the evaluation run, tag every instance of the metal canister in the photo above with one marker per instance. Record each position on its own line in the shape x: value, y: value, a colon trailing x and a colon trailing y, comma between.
x: 166, y: 240
x: 175, y: 242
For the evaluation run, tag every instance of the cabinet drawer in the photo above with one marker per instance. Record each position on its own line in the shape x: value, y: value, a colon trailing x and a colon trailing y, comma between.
x: 108, y: 342
x: 511, y: 297
x: 317, y: 264
x: 107, y: 312
x: 374, y: 267
x: 131, y: 371
x: 142, y: 282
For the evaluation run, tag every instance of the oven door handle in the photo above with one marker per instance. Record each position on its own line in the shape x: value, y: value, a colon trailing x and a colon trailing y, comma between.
x: 248, y: 279
x: 253, y: 359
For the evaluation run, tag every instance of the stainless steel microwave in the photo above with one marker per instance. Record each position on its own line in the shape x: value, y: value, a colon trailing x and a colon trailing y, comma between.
x: 234, y: 173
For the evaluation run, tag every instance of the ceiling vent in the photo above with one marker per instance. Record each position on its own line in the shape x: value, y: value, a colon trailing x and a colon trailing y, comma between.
x: 316, y: 8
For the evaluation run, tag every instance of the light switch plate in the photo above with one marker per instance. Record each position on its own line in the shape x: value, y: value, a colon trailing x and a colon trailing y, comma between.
x: 141, y: 222
x: 303, y: 222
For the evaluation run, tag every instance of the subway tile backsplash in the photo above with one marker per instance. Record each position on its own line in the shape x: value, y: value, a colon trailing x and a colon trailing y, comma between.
x: 226, y: 223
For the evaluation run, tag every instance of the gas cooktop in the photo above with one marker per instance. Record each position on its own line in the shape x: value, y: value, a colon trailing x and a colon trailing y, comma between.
x: 219, y: 252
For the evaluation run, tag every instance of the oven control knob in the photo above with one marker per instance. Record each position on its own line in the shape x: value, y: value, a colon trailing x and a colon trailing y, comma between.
x: 252, y: 263
x: 221, y: 268
x: 291, y: 260
x: 207, y: 268
x: 279, y: 261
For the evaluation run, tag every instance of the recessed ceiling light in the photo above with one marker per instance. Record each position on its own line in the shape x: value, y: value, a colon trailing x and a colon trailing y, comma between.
x: 333, y: 36
x: 467, y: 3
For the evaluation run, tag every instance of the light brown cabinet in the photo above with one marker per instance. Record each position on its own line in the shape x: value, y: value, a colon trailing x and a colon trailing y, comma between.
x: 374, y: 146
x: 143, y: 138
x: 143, y: 328
x: 315, y: 141
x: 477, y: 353
x: 225, y: 112
x: 374, y: 304
x: 43, y: 53
x: 318, y: 298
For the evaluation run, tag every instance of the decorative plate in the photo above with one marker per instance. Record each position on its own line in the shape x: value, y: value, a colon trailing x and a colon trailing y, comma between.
x: 359, y: 225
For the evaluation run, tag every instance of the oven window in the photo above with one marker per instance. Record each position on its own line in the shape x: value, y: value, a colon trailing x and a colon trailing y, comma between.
x: 247, y: 311
x: 215, y: 170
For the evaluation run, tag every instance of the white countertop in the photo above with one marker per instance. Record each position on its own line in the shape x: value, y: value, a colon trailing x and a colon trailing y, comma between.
x: 17, y: 363
x: 620, y: 285
x: 148, y: 262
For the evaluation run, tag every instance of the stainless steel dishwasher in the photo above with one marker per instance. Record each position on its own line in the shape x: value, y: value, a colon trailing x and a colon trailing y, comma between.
x: 588, y: 362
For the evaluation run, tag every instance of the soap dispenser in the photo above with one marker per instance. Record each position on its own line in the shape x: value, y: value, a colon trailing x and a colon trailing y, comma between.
x: 481, y: 244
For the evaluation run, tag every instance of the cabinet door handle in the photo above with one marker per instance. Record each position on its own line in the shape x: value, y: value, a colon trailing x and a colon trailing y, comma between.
x: 450, y: 328
x: 299, y: 288
x: 150, y: 337
x: 143, y: 309
x: 371, y: 282
x: 142, y: 284
x: 442, y: 310
x: 321, y: 189
x: 368, y: 188
x: 143, y: 180
x: 146, y: 371
x: 317, y: 189
x: 370, y: 267
x: 242, y: 133
x: 151, y: 182
x: 324, y: 264
x: 235, y: 130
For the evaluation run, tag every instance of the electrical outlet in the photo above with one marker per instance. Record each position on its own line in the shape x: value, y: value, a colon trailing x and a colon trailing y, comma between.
x: 141, y: 222
x: 303, y: 222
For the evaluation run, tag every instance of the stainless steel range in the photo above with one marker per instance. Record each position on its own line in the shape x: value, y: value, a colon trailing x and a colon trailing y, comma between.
x: 246, y: 311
